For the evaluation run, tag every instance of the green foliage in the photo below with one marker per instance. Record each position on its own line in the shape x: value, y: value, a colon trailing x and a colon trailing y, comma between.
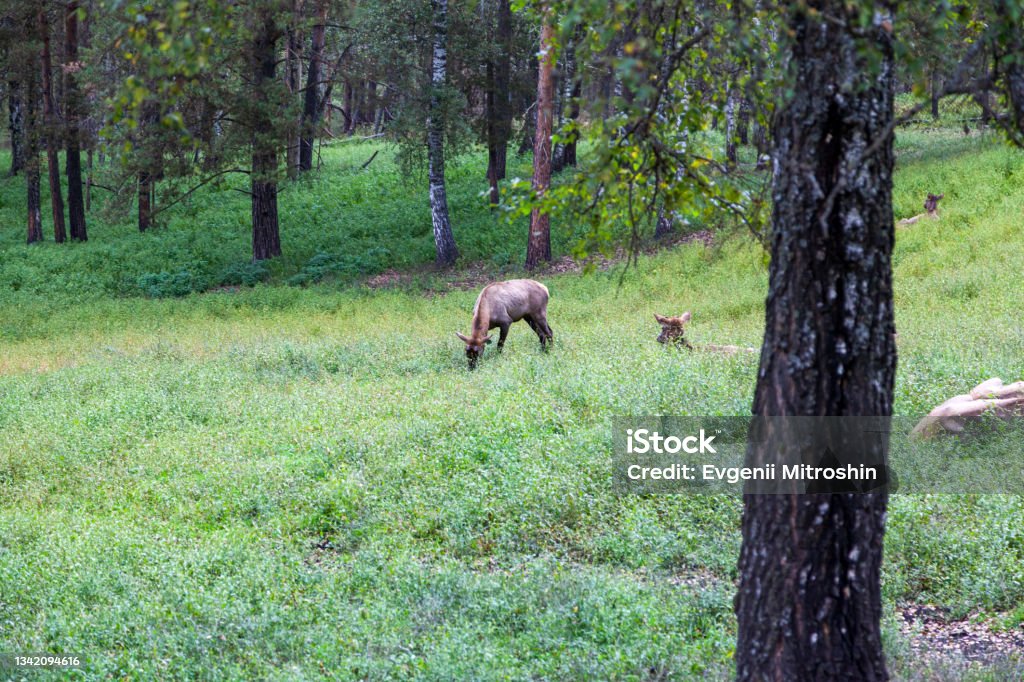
x: 268, y: 482
x: 169, y: 284
x: 244, y: 274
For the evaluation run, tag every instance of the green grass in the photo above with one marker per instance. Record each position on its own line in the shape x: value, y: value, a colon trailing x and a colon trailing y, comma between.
x: 299, y: 482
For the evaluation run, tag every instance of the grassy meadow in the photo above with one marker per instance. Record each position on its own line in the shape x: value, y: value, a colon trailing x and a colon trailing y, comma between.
x: 298, y: 479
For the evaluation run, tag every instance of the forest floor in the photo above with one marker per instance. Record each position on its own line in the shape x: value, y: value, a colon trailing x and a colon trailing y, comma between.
x: 299, y: 479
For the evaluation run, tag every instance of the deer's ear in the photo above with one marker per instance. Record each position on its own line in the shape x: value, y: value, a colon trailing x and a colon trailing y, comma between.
x: 488, y: 339
x: 685, y: 317
x: 465, y: 339
x: 660, y: 319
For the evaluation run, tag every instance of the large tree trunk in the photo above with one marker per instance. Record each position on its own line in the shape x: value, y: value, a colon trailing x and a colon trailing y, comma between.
x: 50, y: 117
x: 31, y: 136
x: 266, y: 238
x: 499, y: 103
x: 809, y: 599
x: 538, y: 246
x: 444, y: 240
x: 16, y: 125
x: 311, y: 101
x: 73, y: 105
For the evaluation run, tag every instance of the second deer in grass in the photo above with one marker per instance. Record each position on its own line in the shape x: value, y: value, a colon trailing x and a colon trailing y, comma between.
x: 673, y: 330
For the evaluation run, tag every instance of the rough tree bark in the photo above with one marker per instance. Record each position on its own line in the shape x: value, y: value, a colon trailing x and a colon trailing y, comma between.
x: 809, y: 600
x: 538, y: 245
x: 16, y: 125
x: 266, y: 238
x: 73, y: 117
x: 499, y: 104
x: 444, y: 240
x: 311, y: 97
x: 50, y: 119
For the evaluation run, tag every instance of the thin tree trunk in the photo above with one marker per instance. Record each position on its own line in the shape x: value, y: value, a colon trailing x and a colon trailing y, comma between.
x: 444, y: 240
x: 145, y: 192
x: 761, y: 145
x: 30, y: 130
x: 499, y: 103
x: 743, y: 125
x: 490, y: 105
x: 16, y: 125
x: 88, y: 179
x: 731, y: 110
x: 538, y: 246
x: 293, y: 80
x: 266, y: 238
x: 809, y: 598
x: 935, y: 87
x: 72, y: 105
x: 568, y: 91
x: 311, y: 102
x: 50, y: 119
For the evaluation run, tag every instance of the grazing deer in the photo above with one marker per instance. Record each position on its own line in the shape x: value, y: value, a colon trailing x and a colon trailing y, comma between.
x: 673, y: 330
x: 499, y: 305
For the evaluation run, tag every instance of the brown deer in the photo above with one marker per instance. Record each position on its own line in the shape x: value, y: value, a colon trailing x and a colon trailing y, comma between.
x: 499, y: 305
x: 673, y: 330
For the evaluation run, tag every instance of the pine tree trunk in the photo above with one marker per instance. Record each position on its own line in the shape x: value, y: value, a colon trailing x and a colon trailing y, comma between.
x: 16, y: 125
x: 266, y: 238
x: 761, y: 145
x: 743, y: 125
x: 145, y: 192
x: 538, y: 246
x: 529, y: 131
x: 569, y: 90
x: 72, y: 105
x: 311, y: 101
x: 293, y: 81
x: 502, y: 94
x: 50, y: 119
x: 809, y: 598
x: 444, y: 240
x: 31, y: 135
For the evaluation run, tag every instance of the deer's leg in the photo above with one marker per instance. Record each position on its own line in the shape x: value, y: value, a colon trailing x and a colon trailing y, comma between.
x: 544, y: 332
x: 501, y: 336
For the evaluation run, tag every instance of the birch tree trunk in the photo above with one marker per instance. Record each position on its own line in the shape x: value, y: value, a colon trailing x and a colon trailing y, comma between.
x: 444, y: 240
x: 731, y: 110
x: 73, y: 109
x: 50, y: 122
x: 809, y: 598
x: 538, y: 246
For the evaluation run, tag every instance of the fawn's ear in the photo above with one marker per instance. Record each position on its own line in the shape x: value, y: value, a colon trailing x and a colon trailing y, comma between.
x: 660, y: 319
x: 685, y: 317
x: 465, y: 339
